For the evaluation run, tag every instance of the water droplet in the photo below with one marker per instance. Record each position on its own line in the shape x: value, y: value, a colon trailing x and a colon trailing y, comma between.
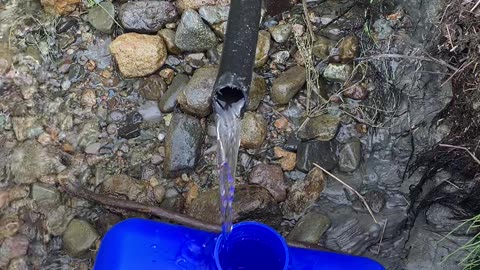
x: 154, y: 246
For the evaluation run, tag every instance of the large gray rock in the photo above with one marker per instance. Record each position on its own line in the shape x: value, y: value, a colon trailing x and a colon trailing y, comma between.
x: 251, y: 202
x: 169, y: 100
x: 322, y: 128
x: 319, y: 152
x: 287, y: 85
x: 310, y: 228
x: 146, y: 16
x: 182, y: 144
x: 102, y: 17
x: 349, y: 156
x: 193, y: 34
x: 79, y: 237
x: 257, y: 92
x: 253, y: 131
x: 270, y: 177
x: 196, y: 97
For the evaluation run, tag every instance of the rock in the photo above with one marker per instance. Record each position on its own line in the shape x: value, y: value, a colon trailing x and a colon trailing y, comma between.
x: 337, y: 72
x: 304, y: 193
x: 88, y: 134
x: 93, y: 148
x: 18, y: 264
x: 357, y: 92
x: 349, y: 49
x: 159, y: 193
x: 280, y: 57
x: 138, y: 55
x: 376, y: 199
x: 79, y: 237
x: 321, y: 47
x: 287, y: 159
x: 310, y: 228
x: 146, y: 16
x: 152, y: 87
x: 323, y: 128
x: 150, y: 111
x: 298, y: 29
x: 9, y: 225
x: 258, y: 89
x: 13, y: 247
x: 167, y: 74
x: 182, y: 145
x: 196, y: 97
x: 220, y: 29
x: 280, y: 33
x: 43, y: 192
x: 122, y: 184
x: 196, y: 4
x: 60, y: 7
x: 58, y: 219
x: 88, y: 98
x: 26, y: 127
x: 5, y: 59
x: 263, y: 46
x: 319, y: 152
x: 214, y: 14
x: 193, y: 34
x: 271, y: 178
x: 254, y: 130
x: 251, y: 202
x: 30, y: 161
x: 168, y: 36
x: 349, y: 156
x: 169, y: 99
x: 287, y: 85
x: 102, y: 17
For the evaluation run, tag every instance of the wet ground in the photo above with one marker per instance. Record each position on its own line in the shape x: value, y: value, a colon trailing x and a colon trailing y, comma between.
x: 120, y: 104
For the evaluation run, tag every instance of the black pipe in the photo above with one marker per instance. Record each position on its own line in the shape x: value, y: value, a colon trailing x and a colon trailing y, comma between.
x: 236, y: 66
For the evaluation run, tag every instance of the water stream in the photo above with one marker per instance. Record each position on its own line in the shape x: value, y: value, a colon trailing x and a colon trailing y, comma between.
x: 227, y: 115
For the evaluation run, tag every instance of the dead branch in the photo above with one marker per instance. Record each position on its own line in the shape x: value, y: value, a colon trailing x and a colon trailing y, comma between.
x: 462, y: 148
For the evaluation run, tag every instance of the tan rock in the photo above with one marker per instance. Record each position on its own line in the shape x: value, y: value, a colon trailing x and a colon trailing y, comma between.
x: 287, y: 159
x: 60, y: 7
x: 138, y: 55
x: 263, y: 46
x: 196, y: 4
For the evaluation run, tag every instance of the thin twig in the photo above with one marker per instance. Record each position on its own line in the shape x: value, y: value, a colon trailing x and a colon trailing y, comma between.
x: 307, y: 20
x: 462, y: 148
x: 352, y: 189
x: 476, y: 5
x: 381, y: 237
x: 421, y: 58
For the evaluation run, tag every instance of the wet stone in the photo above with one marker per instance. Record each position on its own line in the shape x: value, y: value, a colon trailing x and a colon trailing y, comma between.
x: 88, y: 134
x: 271, y: 178
x: 147, y: 16
x: 122, y: 185
x: 182, y: 145
x: 131, y: 129
x: 321, y: 47
x: 376, y: 199
x: 193, y: 34
x: 79, y: 237
x: 253, y: 130
x: 349, y: 49
x: 150, y: 111
x: 287, y: 159
x: 76, y: 73
x: 153, y: 87
x: 280, y: 57
x: 44, y: 192
x: 11, y: 248
x: 168, y: 36
x: 257, y: 92
x: 310, y: 228
x: 349, y: 156
x: 323, y: 127
x: 319, y: 152
x: 338, y: 72
x: 169, y: 100
x: 287, y: 85
x: 263, y: 46
x: 280, y: 33
x: 196, y: 97
x: 214, y: 14
x: 304, y: 193
x: 58, y: 219
x: 101, y: 16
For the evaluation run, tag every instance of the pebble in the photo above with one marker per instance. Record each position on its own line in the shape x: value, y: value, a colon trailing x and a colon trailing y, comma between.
x: 280, y: 57
x: 60, y: 7
x: 150, y: 111
x: 281, y: 33
x: 182, y: 145
x: 156, y: 159
x: 356, y: 92
x: 196, y: 97
x: 89, y: 98
x: 349, y: 49
x: 271, y: 178
x: 159, y: 193
x: 287, y: 85
x: 152, y: 87
x: 26, y: 127
x: 304, y: 193
x: 102, y: 16
x: 169, y: 100
x: 138, y: 55
x: 323, y: 128
x: 146, y: 16
x: 308, y: 154
x: 79, y: 237
x: 168, y: 36
x: 349, y: 156
x: 298, y: 29
x: 253, y: 131
x: 13, y: 247
x: 321, y: 47
x: 287, y: 160
x: 123, y: 185
x: 18, y: 264
x: 376, y: 199
x: 338, y: 72
x: 193, y: 34
x: 258, y: 90
x: 263, y: 46
x: 93, y: 148
x: 214, y: 14
x: 9, y: 225
x: 44, y: 192
x: 167, y: 74
x: 310, y: 228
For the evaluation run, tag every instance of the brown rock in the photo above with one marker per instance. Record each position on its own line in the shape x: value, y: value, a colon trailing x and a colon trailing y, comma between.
x: 281, y: 123
x: 357, y: 92
x: 192, y: 194
x: 263, y: 46
x: 303, y: 193
x: 271, y: 178
x: 167, y: 74
x: 122, y: 185
x: 254, y: 130
x: 89, y: 98
x: 4, y: 198
x: 287, y: 159
x: 138, y: 55
x: 60, y: 7
x: 168, y: 36
x: 196, y: 4
x: 349, y: 49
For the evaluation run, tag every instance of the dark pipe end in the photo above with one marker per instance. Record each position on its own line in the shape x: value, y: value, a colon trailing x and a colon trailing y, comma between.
x: 231, y: 92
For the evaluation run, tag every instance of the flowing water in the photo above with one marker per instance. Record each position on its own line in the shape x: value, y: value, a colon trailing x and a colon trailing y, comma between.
x: 227, y: 114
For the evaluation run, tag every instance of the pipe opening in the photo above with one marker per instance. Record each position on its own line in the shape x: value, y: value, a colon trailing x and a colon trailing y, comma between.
x: 251, y: 246
x: 230, y: 97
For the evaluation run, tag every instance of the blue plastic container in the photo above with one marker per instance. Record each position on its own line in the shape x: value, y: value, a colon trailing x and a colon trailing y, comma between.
x: 139, y: 244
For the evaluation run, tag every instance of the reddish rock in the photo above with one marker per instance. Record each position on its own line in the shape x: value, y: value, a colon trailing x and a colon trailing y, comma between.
x: 270, y: 177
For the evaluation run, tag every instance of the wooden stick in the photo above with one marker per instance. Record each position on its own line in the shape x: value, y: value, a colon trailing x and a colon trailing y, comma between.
x: 462, y: 148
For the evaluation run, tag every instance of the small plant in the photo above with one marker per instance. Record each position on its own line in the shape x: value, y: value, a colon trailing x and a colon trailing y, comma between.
x: 472, y: 248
